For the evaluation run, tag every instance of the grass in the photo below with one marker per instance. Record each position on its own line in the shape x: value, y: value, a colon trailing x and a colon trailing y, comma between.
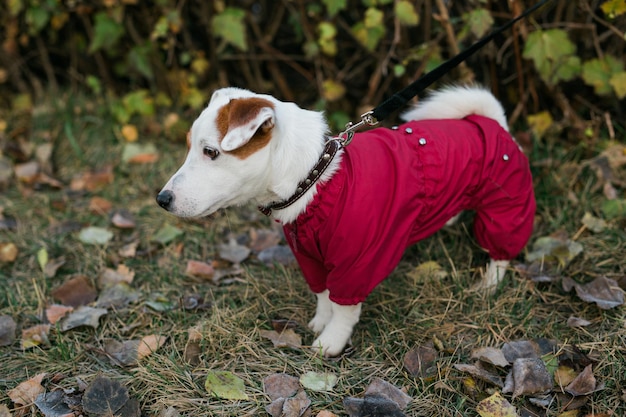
x: 400, y: 314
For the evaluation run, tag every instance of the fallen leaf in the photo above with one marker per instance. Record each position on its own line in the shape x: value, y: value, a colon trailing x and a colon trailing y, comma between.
x: 75, y: 292
x: 93, y: 180
x: 199, y: 269
x: 117, y: 296
x: 518, y: 349
x: 7, y: 330
x: 480, y: 373
x: 289, y: 407
x: 491, y: 355
x: 149, y: 344
x: 286, y: 338
x: 233, y: 251
x: 614, y: 209
x: 496, y: 406
x: 83, y: 316
x: 371, y: 406
x: 195, y: 302
x: 280, y: 386
x: 261, y: 239
x: 528, y: 376
x: 225, y: 385
x: 35, y: 336
x: 564, y: 375
x: 8, y: 252
x: 603, y: 291
x: 114, y: 276
x: 420, y: 361
x: 554, y: 248
x: 130, y: 132
x: 139, y: 153
x: 122, y: 353
x: 55, y: 312
x: 381, y: 388
x: 93, y: 235
x: 52, y: 404
x: 27, y: 172
x: 427, y: 270
x: 326, y: 413
x: 4, y: 410
x: 123, y: 219
x: 593, y: 223
x: 104, y: 396
x: 26, y: 392
x: 319, y: 381
x: 99, y: 205
x: 166, y: 234
x: 280, y: 325
x: 577, y: 322
x: 52, y: 266
x: 129, y: 250
x: 584, y: 384
x: 279, y: 254
x: 159, y: 302
x: 169, y: 412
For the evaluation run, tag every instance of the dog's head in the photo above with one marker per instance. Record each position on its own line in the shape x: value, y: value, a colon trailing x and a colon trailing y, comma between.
x: 228, y: 155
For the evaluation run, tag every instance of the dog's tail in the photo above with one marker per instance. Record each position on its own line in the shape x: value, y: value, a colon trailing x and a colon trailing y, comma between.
x: 457, y: 102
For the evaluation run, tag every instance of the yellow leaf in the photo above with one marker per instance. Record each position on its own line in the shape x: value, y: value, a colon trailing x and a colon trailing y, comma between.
x: 333, y: 90
x: 430, y: 269
x: 8, y: 252
x: 540, y: 122
x: 495, y: 406
x: 130, y: 133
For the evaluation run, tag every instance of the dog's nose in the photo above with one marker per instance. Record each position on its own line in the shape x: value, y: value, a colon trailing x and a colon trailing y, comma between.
x: 165, y: 199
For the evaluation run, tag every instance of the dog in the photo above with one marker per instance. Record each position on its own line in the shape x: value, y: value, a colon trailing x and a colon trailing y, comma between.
x: 349, y: 212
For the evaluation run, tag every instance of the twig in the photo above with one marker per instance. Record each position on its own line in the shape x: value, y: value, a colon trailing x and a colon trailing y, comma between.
x: 47, y: 65
x: 444, y: 19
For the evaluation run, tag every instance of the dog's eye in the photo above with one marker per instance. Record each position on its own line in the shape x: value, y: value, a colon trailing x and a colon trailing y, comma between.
x: 210, y: 152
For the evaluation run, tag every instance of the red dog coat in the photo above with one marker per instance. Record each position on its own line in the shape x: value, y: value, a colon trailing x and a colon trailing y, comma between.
x: 396, y: 187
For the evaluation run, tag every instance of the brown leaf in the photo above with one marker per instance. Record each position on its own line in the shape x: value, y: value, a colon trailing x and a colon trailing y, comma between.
x: 371, y: 406
x: 286, y: 338
x: 491, y: 355
x: 35, y: 336
x: 420, y: 361
x: 83, y: 316
x: 480, y: 373
x: 382, y: 388
x: 104, y: 397
x: 93, y: 180
x: 123, y: 219
x: 55, y: 312
x: 28, y: 172
x: 233, y: 251
x: 528, y: 376
x: 280, y: 386
x: 527, y: 349
x: 564, y: 375
x: 149, y: 344
x: 8, y: 252
x: 129, y: 250
x: 192, y: 351
x: 111, y: 277
x: 199, y: 269
x: 52, y: 266
x: 122, y: 353
x: 496, y: 406
x: 195, y: 302
x: 26, y: 392
x: 7, y: 330
x: 603, y: 291
x: 75, y: 292
x: 281, y: 324
x: 99, y: 205
x: 577, y: 322
x: 261, y: 239
x: 585, y: 383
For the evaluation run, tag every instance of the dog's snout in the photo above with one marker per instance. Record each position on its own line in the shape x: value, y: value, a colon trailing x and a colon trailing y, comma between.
x: 165, y: 199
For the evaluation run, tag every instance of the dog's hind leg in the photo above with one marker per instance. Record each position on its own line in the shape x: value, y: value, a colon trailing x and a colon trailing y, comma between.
x: 493, y: 276
x: 338, y: 331
x: 323, y: 312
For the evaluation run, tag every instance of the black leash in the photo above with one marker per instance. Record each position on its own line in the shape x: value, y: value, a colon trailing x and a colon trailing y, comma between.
x: 402, y: 97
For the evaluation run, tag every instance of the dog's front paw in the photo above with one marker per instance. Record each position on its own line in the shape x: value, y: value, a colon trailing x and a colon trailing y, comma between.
x: 330, y: 344
x: 320, y: 321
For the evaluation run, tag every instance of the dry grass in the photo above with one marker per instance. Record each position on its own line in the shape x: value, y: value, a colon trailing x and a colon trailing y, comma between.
x: 398, y: 316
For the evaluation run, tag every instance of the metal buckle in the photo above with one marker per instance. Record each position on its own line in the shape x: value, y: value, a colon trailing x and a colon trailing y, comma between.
x: 346, y: 136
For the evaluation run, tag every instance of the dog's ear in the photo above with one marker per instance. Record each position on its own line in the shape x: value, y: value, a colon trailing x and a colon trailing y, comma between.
x: 242, y: 128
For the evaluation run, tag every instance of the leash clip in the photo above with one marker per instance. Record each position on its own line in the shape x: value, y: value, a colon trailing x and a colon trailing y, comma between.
x: 346, y: 136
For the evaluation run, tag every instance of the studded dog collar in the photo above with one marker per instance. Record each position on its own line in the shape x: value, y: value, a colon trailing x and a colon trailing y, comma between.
x: 330, y: 150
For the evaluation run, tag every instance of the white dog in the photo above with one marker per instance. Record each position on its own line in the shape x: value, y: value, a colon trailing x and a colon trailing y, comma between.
x: 349, y: 212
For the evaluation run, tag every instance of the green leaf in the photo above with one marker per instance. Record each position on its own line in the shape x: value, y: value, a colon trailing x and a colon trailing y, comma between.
x: 139, y: 102
x: 479, y: 21
x: 15, y: 6
x: 598, y: 73
x: 139, y: 59
x: 326, y: 40
x: 95, y: 235
x: 406, y: 14
x: 229, y: 25
x: 225, y: 385
x: 42, y: 258
x: 614, y: 209
x: 613, y: 8
x: 553, y: 55
x: 320, y: 382
x: 618, y: 82
x: 37, y: 18
x: 106, y: 32
x: 167, y: 233
x: 370, y: 31
x: 334, y: 6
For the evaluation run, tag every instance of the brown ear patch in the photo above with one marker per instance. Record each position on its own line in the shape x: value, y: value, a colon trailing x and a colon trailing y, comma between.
x: 240, y: 111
